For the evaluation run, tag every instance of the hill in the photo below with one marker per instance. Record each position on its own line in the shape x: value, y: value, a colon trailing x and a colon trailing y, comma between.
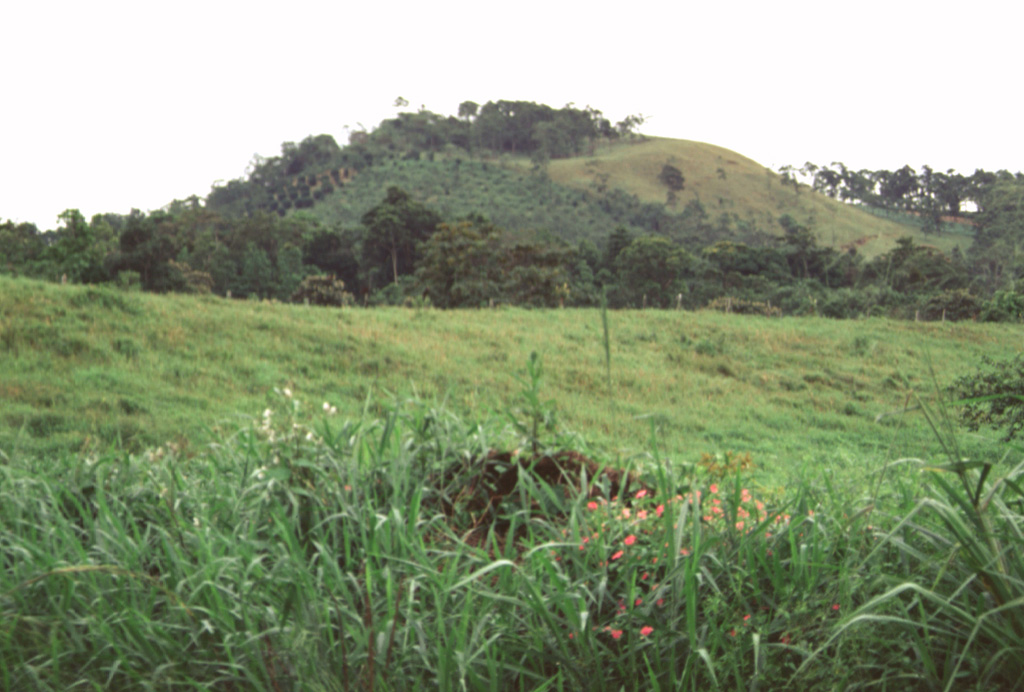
x: 92, y: 368
x: 729, y: 183
x: 586, y: 197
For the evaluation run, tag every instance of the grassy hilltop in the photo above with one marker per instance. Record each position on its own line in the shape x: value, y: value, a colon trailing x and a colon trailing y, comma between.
x: 93, y: 367
x: 728, y: 182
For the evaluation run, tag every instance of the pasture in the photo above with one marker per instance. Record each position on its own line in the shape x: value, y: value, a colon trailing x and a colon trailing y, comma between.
x: 204, y: 494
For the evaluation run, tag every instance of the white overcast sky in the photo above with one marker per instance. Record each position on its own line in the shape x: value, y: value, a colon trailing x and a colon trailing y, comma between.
x: 106, y: 106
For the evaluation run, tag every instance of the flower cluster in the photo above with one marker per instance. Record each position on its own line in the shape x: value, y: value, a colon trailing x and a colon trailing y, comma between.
x: 635, y: 541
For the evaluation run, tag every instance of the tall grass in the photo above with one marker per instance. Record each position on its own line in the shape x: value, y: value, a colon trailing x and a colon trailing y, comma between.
x: 309, y: 551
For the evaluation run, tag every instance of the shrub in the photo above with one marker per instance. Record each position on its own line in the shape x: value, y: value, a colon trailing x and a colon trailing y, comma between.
x: 993, y: 396
x: 322, y: 290
x: 740, y: 306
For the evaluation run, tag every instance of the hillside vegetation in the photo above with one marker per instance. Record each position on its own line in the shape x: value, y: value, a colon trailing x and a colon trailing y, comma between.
x: 94, y: 368
x: 729, y: 183
x: 587, y: 197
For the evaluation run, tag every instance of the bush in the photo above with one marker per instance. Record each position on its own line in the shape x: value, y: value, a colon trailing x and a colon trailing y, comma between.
x: 322, y: 290
x: 954, y: 306
x: 739, y: 306
x: 993, y: 397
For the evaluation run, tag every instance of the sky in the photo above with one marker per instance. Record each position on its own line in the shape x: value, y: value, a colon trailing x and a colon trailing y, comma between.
x: 108, y: 106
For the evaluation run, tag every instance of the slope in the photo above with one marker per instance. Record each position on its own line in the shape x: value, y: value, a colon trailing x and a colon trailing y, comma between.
x: 88, y: 367
x: 727, y: 182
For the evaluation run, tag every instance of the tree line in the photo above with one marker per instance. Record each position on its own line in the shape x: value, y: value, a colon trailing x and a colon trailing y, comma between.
x: 404, y: 252
x: 931, y: 194
x: 305, y: 172
x: 255, y: 237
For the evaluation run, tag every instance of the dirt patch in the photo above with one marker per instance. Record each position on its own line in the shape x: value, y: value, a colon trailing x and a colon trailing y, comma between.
x: 478, y: 497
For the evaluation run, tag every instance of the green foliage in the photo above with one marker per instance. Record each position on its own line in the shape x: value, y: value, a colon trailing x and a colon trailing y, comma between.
x: 256, y: 273
x: 394, y: 229
x: 993, y: 396
x: 651, y: 273
x: 395, y: 548
x: 459, y: 265
x: 672, y: 178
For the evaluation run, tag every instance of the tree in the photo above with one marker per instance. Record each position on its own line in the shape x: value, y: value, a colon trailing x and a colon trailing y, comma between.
x: 334, y: 252
x: 20, y: 247
x: 459, y: 266
x: 393, y: 230
x: 651, y: 270
x: 672, y: 178
x: 998, y: 249
x: 618, y: 240
x: 257, y: 273
x: 290, y: 271
x: 468, y: 110
x: 80, y: 249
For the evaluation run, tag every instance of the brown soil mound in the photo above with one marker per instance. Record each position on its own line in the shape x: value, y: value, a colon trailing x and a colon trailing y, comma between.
x: 477, y: 496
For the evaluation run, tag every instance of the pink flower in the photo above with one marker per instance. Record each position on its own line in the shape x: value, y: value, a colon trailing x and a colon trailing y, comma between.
x: 636, y: 604
x: 714, y: 487
x: 659, y: 510
x: 592, y: 506
x: 835, y: 606
x: 642, y: 514
x: 617, y: 554
x: 641, y: 493
x: 616, y: 634
x: 645, y: 630
x: 630, y: 539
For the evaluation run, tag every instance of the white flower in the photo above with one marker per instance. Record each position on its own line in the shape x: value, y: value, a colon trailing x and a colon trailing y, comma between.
x: 195, y: 520
x: 288, y: 392
x: 327, y: 407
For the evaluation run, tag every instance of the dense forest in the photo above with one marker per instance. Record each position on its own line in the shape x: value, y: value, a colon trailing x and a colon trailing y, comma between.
x: 274, y: 233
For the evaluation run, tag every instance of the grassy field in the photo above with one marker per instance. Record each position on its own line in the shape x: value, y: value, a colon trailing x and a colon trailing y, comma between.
x: 87, y: 368
x: 726, y: 181
x: 204, y: 494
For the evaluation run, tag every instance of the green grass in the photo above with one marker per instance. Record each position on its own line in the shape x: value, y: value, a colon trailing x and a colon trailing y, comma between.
x: 311, y: 550
x: 93, y: 368
x: 160, y: 532
x: 727, y: 182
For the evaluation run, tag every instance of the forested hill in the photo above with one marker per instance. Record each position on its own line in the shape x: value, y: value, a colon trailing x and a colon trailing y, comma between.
x: 565, y: 173
x: 520, y: 203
